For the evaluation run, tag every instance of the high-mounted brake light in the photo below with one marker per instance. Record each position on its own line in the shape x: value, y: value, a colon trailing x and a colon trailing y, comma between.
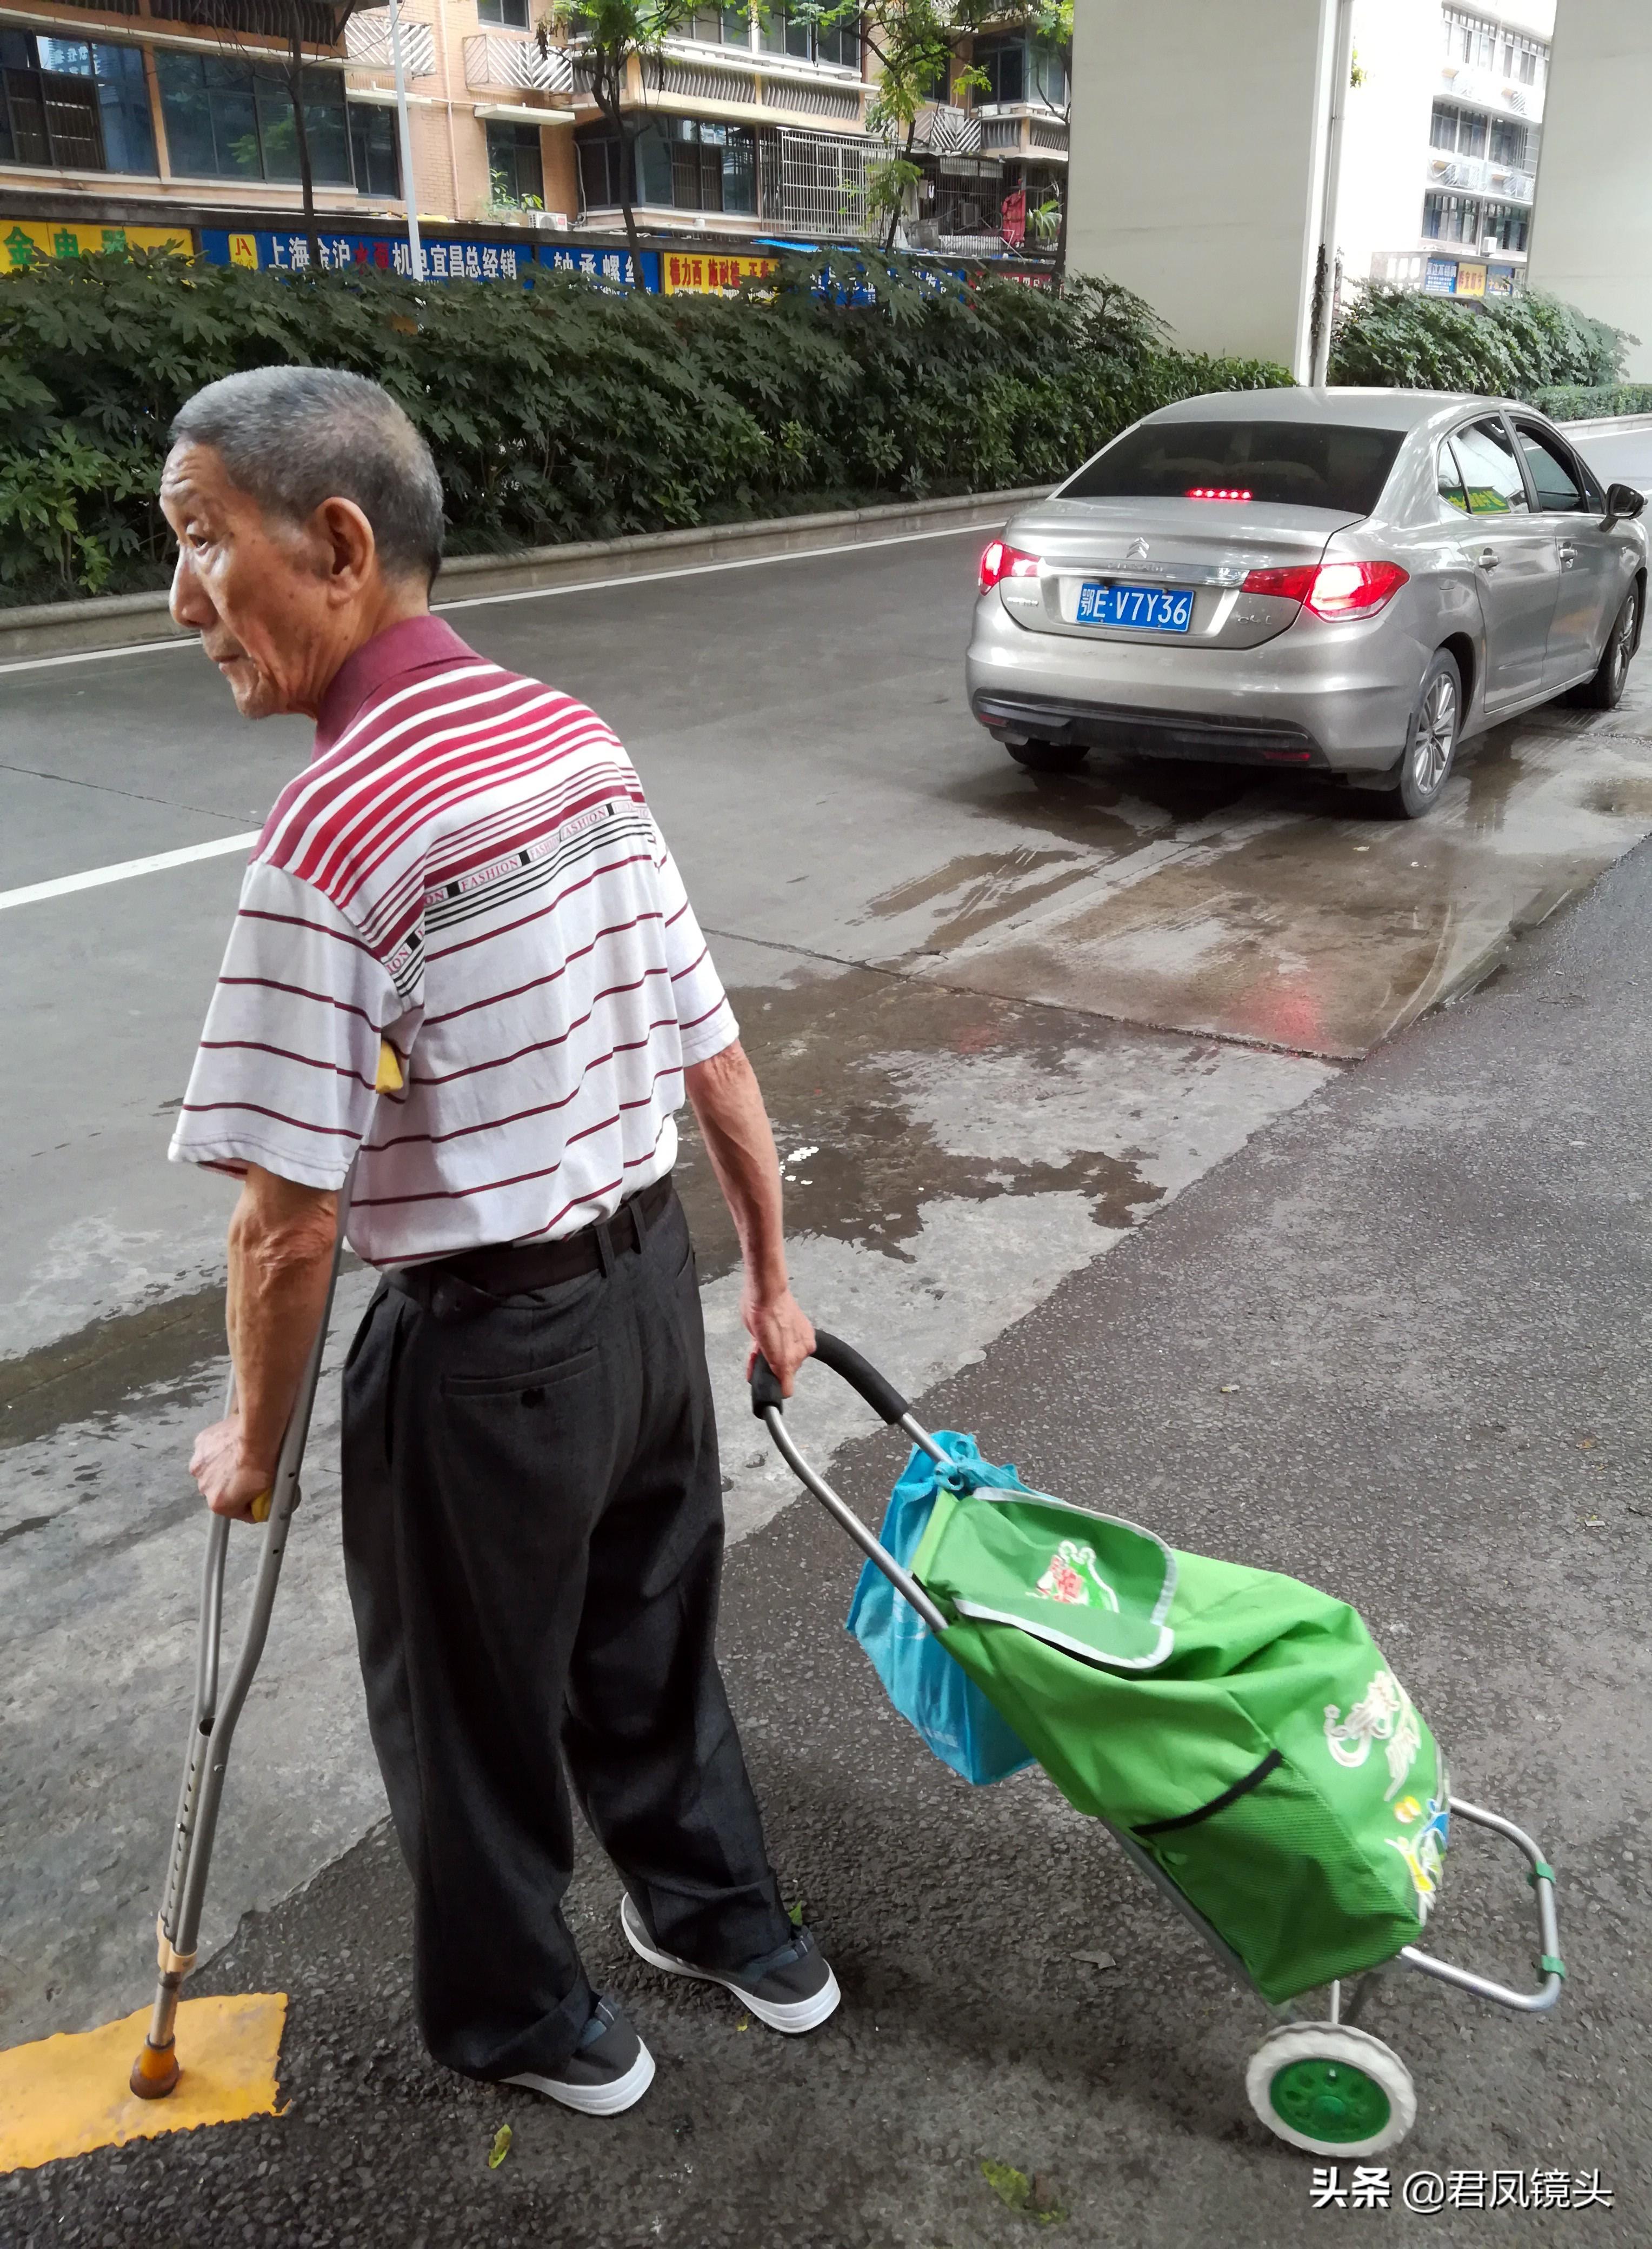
x: 1333, y: 590
x: 999, y: 562
x: 1215, y: 492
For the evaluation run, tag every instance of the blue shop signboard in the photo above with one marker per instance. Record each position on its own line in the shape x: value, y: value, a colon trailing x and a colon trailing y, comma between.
x: 287, y: 252
x: 610, y: 269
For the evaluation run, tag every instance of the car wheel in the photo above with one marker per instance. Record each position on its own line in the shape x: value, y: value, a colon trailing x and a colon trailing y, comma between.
x: 1431, y: 742
x: 1604, y: 690
x: 1049, y: 757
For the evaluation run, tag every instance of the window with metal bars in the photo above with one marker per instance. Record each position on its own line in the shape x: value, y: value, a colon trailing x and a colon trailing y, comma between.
x: 75, y: 105
x: 1503, y: 226
x: 1450, y: 218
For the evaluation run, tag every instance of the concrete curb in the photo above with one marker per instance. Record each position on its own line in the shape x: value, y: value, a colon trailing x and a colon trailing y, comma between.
x: 126, y: 620
x: 1608, y: 425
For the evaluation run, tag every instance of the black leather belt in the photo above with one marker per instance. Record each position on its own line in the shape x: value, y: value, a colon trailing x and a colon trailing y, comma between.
x: 453, y: 1286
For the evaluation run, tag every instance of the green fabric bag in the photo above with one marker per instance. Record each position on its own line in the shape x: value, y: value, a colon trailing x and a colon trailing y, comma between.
x: 1241, y: 1727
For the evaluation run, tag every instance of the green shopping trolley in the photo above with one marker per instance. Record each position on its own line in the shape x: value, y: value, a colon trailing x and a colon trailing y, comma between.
x: 1238, y: 1733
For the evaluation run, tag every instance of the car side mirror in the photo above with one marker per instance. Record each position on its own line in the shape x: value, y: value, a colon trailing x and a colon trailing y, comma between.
x: 1622, y: 501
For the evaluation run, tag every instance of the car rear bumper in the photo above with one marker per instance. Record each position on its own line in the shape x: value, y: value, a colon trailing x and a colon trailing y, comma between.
x: 1149, y: 733
x: 1327, y: 701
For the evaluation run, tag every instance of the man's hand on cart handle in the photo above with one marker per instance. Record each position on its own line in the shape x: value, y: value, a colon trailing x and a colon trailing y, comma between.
x: 784, y: 1334
x: 729, y: 1107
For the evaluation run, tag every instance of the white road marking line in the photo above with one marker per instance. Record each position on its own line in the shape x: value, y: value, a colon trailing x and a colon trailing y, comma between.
x: 100, y: 655
x: 703, y: 569
x: 94, y: 877
x: 545, y: 593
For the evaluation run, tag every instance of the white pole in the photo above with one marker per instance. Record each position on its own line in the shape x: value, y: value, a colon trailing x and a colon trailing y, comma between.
x: 1341, y: 74
x: 404, y: 137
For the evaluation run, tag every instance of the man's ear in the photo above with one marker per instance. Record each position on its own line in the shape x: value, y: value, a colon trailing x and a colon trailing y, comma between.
x: 350, y: 552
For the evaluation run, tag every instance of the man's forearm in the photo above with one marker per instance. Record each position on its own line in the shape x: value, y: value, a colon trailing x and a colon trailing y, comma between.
x: 280, y: 1261
x: 728, y: 1105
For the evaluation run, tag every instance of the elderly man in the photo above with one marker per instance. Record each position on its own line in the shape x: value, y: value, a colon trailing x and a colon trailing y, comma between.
x: 468, y: 869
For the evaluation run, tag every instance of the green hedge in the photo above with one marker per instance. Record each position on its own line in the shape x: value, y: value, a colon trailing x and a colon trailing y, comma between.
x: 1503, y: 347
x: 563, y: 413
x: 1573, y: 402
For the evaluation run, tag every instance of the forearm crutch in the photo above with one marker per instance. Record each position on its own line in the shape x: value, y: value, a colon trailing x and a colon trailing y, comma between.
x: 212, y: 1723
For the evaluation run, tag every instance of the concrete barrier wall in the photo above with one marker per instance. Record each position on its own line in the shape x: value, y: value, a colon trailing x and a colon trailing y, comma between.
x: 1198, y: 131
x: 1592, y: 225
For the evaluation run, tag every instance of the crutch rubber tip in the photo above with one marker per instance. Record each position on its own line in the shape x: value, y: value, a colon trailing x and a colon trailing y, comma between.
x: 155, y: 2072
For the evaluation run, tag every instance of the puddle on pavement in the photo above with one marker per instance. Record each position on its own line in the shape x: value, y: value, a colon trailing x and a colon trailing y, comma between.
x: 833, y: 1058
x: 989, y: 887
x: 1322, y: 932
x: 103, y: 1366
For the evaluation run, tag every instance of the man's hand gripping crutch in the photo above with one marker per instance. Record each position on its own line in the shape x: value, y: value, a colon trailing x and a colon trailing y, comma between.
x: 282, y: 1361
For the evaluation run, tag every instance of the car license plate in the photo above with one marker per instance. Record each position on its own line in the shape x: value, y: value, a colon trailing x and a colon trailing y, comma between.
x: 1136, y: 608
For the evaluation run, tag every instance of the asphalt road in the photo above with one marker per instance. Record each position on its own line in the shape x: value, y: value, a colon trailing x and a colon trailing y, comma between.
x: 1001, y: 1022
x: 1397, y: 1346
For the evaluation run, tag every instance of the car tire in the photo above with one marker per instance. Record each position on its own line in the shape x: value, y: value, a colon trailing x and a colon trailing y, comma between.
x: 1049, y: 757
x: 1431, y: 742
x: 1604, y: 690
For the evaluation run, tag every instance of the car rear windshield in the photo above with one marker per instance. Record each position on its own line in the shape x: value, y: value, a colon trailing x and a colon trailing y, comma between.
x: 1278, y: 464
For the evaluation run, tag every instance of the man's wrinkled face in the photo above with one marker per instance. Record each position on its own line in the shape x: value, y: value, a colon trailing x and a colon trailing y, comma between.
x: 256, y: 590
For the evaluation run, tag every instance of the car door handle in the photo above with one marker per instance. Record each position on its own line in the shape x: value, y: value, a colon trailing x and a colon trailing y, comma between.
x: 1568, y: 554
x: 1488, y: 558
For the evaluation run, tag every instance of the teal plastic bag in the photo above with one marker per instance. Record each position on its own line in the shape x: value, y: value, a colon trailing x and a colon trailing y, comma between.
x: 931, y: 1692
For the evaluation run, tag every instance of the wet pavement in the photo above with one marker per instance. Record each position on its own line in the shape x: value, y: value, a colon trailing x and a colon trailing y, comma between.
x: 1395, y: 1345
x: 1001, y: 1022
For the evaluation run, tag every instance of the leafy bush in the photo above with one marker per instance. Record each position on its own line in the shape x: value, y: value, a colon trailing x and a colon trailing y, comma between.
x: 1502, y: 347
x: 563, y: 413
x: 1575, y: 401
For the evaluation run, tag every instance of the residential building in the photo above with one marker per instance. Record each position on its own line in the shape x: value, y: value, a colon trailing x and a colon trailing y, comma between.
x: 745, y: 123
x: 1444, y: 129
x: 158, y: 113
x: 993, y: 155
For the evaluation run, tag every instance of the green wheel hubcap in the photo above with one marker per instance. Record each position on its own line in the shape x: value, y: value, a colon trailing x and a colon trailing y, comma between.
x: 1328, y: 2101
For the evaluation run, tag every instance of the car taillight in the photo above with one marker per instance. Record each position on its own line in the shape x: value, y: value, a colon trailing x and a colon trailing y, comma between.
x: 1000, y: 562
x: 1216, y: 492
x: 1293, y: 585
x: 1333, y: 590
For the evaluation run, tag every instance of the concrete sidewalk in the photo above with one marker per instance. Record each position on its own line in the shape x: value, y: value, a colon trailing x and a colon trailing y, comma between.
x: 1432, y: 1287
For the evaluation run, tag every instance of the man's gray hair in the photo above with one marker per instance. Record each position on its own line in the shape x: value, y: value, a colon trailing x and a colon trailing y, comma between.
x: 293, y: 437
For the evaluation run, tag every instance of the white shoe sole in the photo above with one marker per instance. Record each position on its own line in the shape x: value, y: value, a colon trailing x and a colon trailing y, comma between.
x: 792, y: 2016
x: 595, y: 2099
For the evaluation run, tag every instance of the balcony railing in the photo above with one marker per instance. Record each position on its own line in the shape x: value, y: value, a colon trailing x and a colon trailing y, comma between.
x: 1482, y: 175
x: 1022, y: 127
x: 1485, y: 89
x: 491, y: 59
x: 945, y: 131
x: 367, y: 41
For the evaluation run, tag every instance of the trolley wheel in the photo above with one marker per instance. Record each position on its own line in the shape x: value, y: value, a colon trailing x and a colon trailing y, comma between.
x: 1332, y: 2089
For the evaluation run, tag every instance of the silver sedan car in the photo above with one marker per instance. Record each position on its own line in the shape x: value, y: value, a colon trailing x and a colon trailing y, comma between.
x: 1346, y: 581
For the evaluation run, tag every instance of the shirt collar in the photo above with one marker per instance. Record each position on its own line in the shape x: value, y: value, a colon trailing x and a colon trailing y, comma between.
x: 417, y: 645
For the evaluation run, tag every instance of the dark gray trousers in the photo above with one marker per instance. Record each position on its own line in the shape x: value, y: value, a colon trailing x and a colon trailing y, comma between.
x: 532, y: 1537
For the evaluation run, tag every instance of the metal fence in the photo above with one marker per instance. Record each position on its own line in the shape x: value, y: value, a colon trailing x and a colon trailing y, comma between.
x: 816, y: 183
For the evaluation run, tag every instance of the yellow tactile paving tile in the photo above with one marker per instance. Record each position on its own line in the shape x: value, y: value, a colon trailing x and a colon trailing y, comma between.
x: 67, y: 2094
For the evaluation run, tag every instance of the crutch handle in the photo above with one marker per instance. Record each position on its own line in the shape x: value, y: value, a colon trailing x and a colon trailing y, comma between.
x: 843, y: 1359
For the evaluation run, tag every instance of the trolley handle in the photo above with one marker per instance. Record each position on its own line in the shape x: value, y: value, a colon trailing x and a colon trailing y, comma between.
x: 842, y: 1359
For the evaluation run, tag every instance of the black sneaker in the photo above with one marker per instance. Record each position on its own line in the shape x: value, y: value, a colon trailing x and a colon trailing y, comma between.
x: 791, y: 1990
x: 609, y: 2069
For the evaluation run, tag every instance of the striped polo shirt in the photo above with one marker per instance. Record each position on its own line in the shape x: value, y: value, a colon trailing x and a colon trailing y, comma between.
x: 469, y: 868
